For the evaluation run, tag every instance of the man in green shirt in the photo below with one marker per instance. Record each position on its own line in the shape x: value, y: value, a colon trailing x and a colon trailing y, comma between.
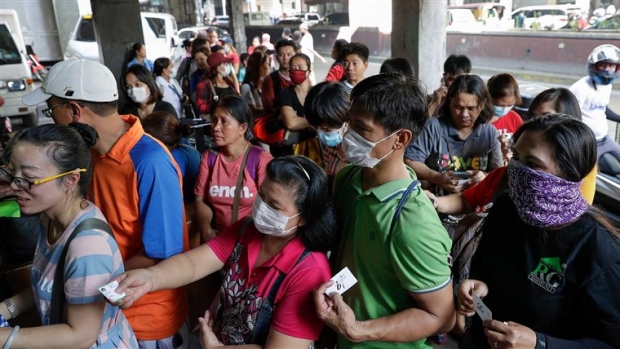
x: 404, y: 291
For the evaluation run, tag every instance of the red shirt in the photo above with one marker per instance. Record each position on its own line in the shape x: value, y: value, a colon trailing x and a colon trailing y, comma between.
x: 335, y: 73
x: 509, y: 123
x: 482, y: 193
x: 245, y: 288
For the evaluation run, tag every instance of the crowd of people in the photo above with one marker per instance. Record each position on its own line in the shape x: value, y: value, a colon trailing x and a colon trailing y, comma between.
x: 309, y: 175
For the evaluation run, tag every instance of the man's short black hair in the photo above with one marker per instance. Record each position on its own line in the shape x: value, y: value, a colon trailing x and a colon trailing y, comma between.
x: 397, y: 65
x: 327, y: 104
x: 356, y: 48
x: 457, y: 65
x: 286, y: 42
x: 394, y: 101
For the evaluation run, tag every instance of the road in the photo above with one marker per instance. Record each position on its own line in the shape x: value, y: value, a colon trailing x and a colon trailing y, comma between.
x: 320, y: 70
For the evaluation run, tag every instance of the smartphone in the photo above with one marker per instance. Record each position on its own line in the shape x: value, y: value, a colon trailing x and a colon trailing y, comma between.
x: 461, y: 174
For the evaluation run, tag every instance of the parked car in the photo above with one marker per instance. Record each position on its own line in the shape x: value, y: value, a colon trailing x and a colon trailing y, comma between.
x: 462, y: 20
x: 336, y: 18
x: 311, y: 18
x: 190, y: 32
x: 256, y: 18
x: 543, y: 17
x: 159, y: 31
x: 292, y: 22
x: 223, y: 21
x: 608, y: 23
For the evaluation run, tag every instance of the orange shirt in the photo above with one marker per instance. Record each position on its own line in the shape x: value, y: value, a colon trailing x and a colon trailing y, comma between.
x: 137, y: 186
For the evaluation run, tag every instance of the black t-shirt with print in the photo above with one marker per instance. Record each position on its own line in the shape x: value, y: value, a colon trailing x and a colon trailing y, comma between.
x: 563, y: 283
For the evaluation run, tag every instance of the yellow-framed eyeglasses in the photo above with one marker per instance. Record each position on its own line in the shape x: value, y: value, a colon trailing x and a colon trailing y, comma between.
x: 25, y: 184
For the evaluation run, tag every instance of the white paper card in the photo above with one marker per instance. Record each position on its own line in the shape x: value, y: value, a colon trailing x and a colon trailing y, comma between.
x: 343, y: 281
x: 108, y: 291
x: 462, y: 182
x: 481, y: 308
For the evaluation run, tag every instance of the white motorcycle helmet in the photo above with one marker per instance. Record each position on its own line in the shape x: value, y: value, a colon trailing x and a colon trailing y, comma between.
x: 604, y: 53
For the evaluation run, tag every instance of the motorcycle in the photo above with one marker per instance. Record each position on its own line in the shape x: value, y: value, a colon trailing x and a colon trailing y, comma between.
x: 39, y: 72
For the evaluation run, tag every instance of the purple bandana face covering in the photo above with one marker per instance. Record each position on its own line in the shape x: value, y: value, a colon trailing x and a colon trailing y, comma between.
x: 542, y: 199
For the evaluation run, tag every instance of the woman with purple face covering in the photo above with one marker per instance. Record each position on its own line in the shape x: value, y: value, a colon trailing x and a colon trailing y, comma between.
x: 548, y: 264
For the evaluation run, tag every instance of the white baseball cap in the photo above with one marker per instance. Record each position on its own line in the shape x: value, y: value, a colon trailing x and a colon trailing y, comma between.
x: 76, y: 79
x: 303, y: 25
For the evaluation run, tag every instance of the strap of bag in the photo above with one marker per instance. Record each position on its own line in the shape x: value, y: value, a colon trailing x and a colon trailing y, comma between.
x: 253, y: 162
x: 58, y: 294
x: 176, y: 92
x: 214, y: 95
x: 402, y: 202
x: 275, y: 79
x: 235, y: 209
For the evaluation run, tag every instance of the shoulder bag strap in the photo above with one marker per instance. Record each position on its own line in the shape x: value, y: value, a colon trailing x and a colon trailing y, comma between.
x: 58, y: 294
x: 253, y: 163
x: 235, y: 209
x: 268, y: 306
x: 214, y: 95
x: 402, y: 202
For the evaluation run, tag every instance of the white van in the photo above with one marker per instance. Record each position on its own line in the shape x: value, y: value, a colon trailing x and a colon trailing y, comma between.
x: 256, y: 18
x: 544, y: 16
x: 158, y: 29
x: 15, y: 75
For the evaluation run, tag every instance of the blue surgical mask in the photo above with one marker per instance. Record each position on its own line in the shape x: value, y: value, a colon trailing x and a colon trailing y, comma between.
x: 331, y: 138
x: 501, y: 111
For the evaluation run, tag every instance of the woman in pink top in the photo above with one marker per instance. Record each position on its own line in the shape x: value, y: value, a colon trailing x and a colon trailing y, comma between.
x: 272, y: 263
x: 220, y: 168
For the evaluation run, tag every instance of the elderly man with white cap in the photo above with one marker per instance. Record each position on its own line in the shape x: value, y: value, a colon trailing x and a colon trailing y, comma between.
x: 307, y: 48
x: 136, y: 184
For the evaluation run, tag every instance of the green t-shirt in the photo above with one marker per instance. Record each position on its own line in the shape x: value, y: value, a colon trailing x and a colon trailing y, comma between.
x: 389, y: 265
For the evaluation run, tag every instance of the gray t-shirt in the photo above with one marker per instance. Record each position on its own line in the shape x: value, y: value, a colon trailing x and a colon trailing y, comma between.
x: 439, y: 146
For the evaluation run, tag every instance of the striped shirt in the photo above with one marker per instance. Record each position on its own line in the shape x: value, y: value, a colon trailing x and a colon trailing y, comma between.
x: 93, y: 259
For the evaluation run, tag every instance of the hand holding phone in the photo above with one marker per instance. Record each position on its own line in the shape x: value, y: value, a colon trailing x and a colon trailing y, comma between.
x: 461, y: 174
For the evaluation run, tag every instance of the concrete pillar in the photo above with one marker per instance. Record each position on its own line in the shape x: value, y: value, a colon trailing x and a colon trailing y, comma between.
x: 419, y: 35
x: 118, y: 26
x: 66, y: 14
x: 235, y: 13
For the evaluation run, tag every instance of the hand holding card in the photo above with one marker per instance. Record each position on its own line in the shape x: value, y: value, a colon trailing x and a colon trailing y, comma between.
x: 481, y: 309
x: 343, y: 281
x: 108, y: 291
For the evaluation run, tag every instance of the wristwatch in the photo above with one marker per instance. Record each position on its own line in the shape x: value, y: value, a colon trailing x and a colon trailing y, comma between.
x: 10, y: 308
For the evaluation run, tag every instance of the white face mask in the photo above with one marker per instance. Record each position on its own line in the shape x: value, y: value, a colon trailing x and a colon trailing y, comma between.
x: 138, y: 94
x: 357, y: 149
x: 269, y: 221
x: 227, y: 70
